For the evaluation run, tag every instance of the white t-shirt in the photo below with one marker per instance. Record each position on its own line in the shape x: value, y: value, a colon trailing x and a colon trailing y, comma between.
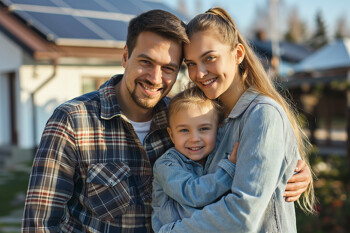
x: 141, y: 129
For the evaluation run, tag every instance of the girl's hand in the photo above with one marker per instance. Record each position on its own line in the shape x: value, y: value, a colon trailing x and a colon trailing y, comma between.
x: 233, y: 156
x: 298, y: 183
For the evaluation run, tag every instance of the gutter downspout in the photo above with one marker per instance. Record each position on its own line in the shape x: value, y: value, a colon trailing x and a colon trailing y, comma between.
x: 32, y: 95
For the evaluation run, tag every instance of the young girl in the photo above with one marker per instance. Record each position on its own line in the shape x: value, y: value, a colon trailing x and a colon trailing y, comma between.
x: 179, y: 185
x: 224, y: 67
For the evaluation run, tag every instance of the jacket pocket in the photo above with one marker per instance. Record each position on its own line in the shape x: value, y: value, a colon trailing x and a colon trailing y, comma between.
x: 109, y: 194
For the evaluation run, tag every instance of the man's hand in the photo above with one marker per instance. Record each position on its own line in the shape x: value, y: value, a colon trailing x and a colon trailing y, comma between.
x: 298, y: 183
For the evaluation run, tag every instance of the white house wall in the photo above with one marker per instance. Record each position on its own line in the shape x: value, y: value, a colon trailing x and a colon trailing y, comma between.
x: 66, y: 85
x: 10, y: 61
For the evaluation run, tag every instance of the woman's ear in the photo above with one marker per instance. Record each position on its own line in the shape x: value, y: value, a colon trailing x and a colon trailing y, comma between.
x: 240, y: 53
x: 125, y: 56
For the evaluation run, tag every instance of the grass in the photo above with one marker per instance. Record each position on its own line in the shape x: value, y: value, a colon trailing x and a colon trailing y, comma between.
x: 16, y: 183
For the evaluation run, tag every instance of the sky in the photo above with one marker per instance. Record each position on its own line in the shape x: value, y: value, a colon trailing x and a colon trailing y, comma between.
x: 243, y: 11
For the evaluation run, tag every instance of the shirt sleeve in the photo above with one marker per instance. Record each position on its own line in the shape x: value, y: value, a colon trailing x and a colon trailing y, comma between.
x: 259, y: 160
x: 51, y: 180
x: 189, y: 189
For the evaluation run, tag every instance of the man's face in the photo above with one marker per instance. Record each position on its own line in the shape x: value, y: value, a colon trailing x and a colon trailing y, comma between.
x: 151, y: 69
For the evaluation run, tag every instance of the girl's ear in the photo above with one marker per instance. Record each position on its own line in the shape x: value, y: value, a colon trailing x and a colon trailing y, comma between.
x: 170, y: 134
x: 240, y: 53
x: 125, y: 56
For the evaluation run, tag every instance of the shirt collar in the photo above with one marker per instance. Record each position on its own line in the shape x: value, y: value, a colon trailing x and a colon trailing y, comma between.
x: 110, y: 107
x: 244, y: 101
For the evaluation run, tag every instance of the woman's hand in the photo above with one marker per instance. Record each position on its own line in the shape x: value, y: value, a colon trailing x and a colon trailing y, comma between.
x: 233, y: 156
x: 298, y: 183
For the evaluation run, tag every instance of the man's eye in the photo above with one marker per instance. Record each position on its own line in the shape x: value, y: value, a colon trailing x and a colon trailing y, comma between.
x: 145, y: 62
x: 169, y: 69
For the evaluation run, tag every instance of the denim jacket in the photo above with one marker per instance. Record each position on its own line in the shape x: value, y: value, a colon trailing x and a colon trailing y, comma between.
x: 180, y: 186
x: 266, y: 159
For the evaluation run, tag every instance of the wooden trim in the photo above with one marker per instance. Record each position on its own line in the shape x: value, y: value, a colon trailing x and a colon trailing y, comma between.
x: 25, y: 34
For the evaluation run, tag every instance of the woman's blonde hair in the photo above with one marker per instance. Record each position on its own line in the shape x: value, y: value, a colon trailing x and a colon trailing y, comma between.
x: 194, y: 96
x: 253, y: 74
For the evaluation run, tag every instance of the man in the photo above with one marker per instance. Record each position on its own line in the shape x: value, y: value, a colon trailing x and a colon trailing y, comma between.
x: 93, y: 168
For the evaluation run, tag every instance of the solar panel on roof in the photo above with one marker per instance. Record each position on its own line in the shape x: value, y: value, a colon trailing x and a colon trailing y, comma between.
x: 65, y: 21
x: 113, y: 28
x: 87, y: 5
x: 30, y: 2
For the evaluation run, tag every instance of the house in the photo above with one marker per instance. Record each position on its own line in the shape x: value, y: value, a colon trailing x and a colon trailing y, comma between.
x: 52, y: 51
x: 320, y: 86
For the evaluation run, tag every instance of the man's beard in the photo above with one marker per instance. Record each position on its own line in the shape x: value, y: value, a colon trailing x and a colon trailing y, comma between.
x: 146, y: 103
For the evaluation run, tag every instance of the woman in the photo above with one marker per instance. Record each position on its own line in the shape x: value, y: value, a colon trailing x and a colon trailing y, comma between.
x: 223, y: 66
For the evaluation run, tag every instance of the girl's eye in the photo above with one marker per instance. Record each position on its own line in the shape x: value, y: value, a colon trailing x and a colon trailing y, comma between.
x: 183, y: 130
x: 204, y: 128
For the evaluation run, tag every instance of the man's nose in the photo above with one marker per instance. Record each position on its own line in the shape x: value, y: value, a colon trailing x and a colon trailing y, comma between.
x: 155, y: 76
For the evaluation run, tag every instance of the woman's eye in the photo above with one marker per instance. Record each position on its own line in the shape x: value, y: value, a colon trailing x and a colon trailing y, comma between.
x: 190, y: 64
x: 211, y: 58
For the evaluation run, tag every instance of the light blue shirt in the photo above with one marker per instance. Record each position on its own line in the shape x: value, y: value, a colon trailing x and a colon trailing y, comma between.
x: 266, y: 158
x: 180, y: 186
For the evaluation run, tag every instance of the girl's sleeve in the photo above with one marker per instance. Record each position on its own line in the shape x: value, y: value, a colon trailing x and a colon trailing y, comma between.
x: 191, y: 190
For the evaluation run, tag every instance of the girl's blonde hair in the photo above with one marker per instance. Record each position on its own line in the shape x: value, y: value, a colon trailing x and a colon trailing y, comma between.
x: 253, y: 74
x: 193, y: 96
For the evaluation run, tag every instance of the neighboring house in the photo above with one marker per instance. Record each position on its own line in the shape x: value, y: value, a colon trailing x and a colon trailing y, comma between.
x: 320, y: 86
x: 52, y: 51
x: 289, y: 54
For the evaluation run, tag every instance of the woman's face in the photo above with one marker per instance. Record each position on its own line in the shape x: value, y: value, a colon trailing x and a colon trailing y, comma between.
x: 212, y: 65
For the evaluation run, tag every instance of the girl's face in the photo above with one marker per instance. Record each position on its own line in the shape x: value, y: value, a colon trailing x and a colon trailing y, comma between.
x: 212, y: 64
x: 193, y: 131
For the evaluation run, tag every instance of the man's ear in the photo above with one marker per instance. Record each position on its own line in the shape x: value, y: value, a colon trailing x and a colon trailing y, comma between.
x: 125, y: 57
x: 240, y: 53
x: 170, y: 134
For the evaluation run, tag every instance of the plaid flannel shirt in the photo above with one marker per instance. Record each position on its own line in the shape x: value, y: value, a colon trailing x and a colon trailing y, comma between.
x: 91, y: 172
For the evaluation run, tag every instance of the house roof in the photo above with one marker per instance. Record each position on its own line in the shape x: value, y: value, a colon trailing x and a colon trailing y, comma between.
x: 289, y: 52
x: 333, y: 56
x: 63, y: 28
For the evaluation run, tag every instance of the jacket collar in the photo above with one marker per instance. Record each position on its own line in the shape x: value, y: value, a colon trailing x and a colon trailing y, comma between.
x: 244, y: 101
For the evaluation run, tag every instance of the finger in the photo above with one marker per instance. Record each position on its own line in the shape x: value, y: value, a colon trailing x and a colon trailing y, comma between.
x: 302, y: 186
x: 303, y: 176
x: 291, y: 199
x: 299, y: 177
x: 235, y: 149
x: 300, y: 165
x: 233, y: 156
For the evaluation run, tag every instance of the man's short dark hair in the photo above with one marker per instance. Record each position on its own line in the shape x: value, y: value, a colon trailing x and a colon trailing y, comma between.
x: 159, y: 22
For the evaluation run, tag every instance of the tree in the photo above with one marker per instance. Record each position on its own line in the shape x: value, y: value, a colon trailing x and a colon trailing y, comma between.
x: 319, y: 38
x: 296, y: 28
x: 341, y: 28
